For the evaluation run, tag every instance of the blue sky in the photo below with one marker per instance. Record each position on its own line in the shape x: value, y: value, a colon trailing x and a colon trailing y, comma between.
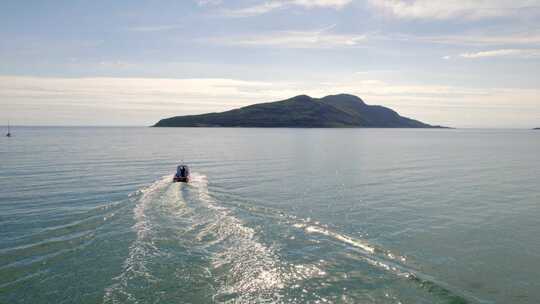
x: 458, y: 63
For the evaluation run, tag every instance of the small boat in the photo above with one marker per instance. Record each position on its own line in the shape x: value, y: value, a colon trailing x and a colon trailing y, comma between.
x: 8, y: 132
x: 182, y: 174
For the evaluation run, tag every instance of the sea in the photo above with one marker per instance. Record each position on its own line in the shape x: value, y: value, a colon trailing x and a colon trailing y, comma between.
x: 90, y: 215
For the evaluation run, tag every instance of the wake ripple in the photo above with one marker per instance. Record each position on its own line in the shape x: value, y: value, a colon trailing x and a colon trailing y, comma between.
x: 134, y: 266
x: 192, y: 248
x: 228, y: 258
x: 246, y: 269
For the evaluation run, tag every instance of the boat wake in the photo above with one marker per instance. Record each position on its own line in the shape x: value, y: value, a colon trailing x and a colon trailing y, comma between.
x: 384, y: 260
x: 190, y: 247
x: 134, y: 268
x: 183, y: 238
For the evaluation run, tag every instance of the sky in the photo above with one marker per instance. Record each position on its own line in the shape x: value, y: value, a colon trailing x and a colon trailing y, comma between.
x: 460, y: 63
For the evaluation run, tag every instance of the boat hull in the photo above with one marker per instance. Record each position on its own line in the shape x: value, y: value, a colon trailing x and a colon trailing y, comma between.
x: 178, y: 179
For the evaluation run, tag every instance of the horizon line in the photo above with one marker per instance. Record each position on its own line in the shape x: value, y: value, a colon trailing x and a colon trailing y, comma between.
x: 151, y: 126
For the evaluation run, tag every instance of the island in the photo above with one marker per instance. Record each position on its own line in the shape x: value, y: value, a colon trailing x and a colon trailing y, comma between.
x: 333, y: 111
x: 536, y: 129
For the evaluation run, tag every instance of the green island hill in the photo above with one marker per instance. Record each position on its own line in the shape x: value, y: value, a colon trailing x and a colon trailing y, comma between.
x: 333, y: 111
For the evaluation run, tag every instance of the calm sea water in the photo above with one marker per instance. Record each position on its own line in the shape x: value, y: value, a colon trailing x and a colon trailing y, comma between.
x: 89, y: 215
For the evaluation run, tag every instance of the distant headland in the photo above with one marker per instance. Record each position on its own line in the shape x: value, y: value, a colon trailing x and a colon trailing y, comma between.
x: 334, y: 111
x: 536, y: 129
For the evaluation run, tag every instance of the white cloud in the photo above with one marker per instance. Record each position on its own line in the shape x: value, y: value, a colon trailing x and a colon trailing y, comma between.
x: 510, y: 40
x: 208, y: 2
x: 154, y: 28
x: 254, y: 10
x: 445, y: 9
x: 480, y: 39
x: 336, y: 4
x: 106, y: 101
x: 455, y: 106
x: 113, y: 64
x: 120, y: 101
x: 269, y: 6
x: 521, y: 53
x: 322, y: 38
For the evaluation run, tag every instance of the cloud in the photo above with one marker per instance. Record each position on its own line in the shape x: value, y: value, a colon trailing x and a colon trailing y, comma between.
x: 321, y: 38
x: 121, y: 101
x: 437, y: 9
x: 208, y: 2
x: 336, y: 4
x: 515, y: 39
x: 520, y: 53
x: 327, y: 38
x: 112, y: 64
x: 254, y: 10
x: 138, y: 101
x: 456, y: 106
x: 153, y: 28
x: 481, y: 39
x: 269, y: 6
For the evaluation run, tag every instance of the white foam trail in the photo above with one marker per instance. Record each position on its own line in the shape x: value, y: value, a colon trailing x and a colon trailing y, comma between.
x: 134, y: 266
x: 245, y: 269
x: 357, y: 243
x: 345, y: 239
x: 377, y: 257
x: 250, y: 270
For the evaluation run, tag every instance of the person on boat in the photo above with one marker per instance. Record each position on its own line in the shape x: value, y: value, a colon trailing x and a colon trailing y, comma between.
x: 179, y: 170
x: 182, y: 171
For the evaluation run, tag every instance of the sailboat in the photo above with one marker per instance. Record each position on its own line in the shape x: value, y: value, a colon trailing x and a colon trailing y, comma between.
x: 8, y: 132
